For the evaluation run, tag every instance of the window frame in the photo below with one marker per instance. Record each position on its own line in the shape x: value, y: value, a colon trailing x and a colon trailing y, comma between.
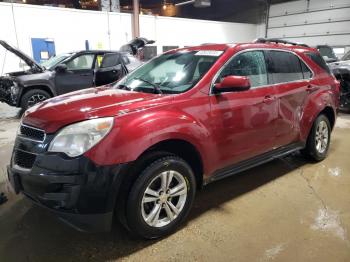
x: 211, y: 91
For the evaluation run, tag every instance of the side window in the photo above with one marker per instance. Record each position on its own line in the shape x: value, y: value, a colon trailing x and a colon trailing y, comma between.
x: 284, y: 67
x: 81, y: 62
x: 316, y: 58
x: 251, y: 64
x: 110, y: 60
x: 125, y: 59
x: 306, y: 71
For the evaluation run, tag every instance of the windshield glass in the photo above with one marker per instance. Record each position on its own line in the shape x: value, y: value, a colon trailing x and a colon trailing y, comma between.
x: 54, y: 60
x: 170, y: 73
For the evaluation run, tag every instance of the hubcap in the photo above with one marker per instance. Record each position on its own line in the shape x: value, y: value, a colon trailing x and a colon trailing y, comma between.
x: 322, y: 137
x: 164, y: 199
x: 34, y: 99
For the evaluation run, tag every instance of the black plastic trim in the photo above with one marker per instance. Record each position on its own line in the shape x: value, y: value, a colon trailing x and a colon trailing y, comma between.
x: 255, y: 161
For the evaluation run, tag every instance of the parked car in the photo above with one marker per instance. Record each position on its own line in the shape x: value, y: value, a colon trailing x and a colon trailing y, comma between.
x: 140, y: 149
x: 66, y: 73
x: 341, y: 70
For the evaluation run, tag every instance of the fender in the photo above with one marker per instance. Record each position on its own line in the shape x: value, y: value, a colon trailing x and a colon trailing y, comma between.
x: 132, y: 136
x: 315, y: 104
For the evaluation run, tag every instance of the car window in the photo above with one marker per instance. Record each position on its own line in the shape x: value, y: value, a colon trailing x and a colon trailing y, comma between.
x: 316, y: 58
x: 81, y: 62
x: 306, y: 71
x: 284, y: 67
x: 346, y: 56
x: 110, y: 60
x: 251, y: 64
x: 126, y: 60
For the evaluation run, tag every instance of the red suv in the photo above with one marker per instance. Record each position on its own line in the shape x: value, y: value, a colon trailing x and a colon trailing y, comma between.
x: 139, y: 149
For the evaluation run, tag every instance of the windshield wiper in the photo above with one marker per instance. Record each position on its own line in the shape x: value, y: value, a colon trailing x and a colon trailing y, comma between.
x: 155, y: 86
x: 123, y: 87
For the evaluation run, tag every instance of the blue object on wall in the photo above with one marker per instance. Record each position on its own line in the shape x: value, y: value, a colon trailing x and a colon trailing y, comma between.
x: 43, y: 49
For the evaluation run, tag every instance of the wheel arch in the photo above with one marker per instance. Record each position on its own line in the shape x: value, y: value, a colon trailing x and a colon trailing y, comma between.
x: 33, y: 87
x: 178, y: 147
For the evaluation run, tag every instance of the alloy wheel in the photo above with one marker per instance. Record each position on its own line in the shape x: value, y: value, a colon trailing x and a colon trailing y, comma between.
x: 164, y: 198
x: 34, y: 99
x: 322, y: 137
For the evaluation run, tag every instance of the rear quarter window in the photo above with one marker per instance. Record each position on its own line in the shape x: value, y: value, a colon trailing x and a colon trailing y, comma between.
x: 316, y: 58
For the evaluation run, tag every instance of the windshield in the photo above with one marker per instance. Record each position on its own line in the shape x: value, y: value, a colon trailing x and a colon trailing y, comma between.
x: 170, y: 73
x: 54, y: 60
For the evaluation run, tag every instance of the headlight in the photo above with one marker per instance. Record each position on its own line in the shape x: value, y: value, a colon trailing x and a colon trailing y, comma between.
x: 14, y: 89
x: 74, y: 140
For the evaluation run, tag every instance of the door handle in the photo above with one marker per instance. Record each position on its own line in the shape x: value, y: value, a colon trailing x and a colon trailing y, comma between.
x: 311, y: 88
x: 268, y: 99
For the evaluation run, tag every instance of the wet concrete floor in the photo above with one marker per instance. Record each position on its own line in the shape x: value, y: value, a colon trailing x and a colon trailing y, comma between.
x: 286, y: 210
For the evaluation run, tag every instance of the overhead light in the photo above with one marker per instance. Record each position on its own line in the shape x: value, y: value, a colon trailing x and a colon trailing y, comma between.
x: 24, y: 1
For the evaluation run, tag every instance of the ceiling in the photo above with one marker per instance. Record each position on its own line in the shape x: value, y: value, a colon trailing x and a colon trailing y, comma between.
x: 247, y: 11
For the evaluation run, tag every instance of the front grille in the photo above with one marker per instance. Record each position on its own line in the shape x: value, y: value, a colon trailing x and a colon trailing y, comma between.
x: 24, y: 159
x: 32, y: 133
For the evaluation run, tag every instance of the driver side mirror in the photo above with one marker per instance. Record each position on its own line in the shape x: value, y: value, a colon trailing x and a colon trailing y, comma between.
x: 232, y: 83
x: 61, y: 68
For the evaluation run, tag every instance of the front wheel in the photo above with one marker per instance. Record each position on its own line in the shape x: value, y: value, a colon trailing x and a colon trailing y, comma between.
x: 319, y: 139
x: 33, y: 97
x: 161, y: 198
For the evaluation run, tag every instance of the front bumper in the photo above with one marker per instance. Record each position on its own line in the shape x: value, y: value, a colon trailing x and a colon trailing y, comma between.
x: 80, y: 192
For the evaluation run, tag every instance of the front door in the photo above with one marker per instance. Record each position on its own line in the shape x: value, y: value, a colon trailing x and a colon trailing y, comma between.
x: 79, y: 74
x: 243, y: 122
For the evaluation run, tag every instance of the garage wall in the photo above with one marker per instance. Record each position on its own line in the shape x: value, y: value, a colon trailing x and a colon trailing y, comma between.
x: 69, y: 28
x: 312, y: 22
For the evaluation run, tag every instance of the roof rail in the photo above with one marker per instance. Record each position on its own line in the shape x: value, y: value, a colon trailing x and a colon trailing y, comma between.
x: 278, y: 41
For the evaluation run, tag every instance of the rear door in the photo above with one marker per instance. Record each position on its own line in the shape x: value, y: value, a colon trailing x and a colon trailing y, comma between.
x: 243, y: 122
x: 79, y: 74
x: 291, y: 78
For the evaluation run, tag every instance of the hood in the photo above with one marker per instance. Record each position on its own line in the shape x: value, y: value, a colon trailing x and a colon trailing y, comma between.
x: 134, y: 45
x: 29, y: 61
x: 60, y: 111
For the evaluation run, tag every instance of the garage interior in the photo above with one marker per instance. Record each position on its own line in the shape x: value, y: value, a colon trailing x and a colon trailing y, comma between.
x: 289, y: 209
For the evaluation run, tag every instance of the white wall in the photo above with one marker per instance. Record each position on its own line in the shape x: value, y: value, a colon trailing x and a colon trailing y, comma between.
x: 69, y: 28
x: 312, y: 22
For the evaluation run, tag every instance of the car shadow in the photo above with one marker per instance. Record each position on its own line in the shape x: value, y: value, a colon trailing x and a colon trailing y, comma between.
x: 30, y: 233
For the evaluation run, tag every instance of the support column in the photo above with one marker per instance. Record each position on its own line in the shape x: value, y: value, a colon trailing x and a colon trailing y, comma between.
x: 136, y: 20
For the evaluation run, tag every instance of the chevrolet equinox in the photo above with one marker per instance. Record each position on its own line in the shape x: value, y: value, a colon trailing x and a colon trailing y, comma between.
x: 139, y: 149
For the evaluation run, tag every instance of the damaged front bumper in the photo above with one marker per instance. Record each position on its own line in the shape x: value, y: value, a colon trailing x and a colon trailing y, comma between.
x: 79, y: 192
x: 9, y: 91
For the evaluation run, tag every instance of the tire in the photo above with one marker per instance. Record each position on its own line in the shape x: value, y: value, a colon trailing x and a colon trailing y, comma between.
x: 164, y: 219
x: 317, y: 144
x: 33, y: 97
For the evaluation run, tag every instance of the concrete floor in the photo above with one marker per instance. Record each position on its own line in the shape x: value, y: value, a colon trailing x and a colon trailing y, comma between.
x: 286, y: 210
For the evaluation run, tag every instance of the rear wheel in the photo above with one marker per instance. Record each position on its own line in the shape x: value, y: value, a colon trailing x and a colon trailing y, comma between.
x: 161, y: 198
x: 319, y: 139
x: 33, y: 97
